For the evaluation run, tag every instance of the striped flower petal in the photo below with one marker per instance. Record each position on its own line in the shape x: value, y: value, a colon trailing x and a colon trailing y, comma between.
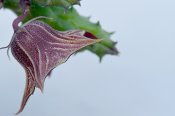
x: 40, y: 48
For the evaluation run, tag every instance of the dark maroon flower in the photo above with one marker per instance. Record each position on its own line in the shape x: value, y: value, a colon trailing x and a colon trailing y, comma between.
x: 40, y: 48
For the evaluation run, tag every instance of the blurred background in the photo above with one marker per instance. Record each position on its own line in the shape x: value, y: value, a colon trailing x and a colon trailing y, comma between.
x: 138, y: 82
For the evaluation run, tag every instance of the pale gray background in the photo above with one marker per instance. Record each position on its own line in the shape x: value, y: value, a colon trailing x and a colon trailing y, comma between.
x: 139, y: 82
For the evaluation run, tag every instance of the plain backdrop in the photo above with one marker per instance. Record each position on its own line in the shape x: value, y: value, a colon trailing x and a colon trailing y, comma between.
x: 138, y: 82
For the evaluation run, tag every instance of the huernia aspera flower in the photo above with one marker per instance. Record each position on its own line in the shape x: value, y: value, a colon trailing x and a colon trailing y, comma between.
x: 39, y: 49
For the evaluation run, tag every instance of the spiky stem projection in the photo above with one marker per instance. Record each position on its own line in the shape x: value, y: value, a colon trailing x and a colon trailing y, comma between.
x: 66, y: 18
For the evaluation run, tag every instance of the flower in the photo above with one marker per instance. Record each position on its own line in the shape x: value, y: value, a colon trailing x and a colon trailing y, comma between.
x: 39, y: 49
